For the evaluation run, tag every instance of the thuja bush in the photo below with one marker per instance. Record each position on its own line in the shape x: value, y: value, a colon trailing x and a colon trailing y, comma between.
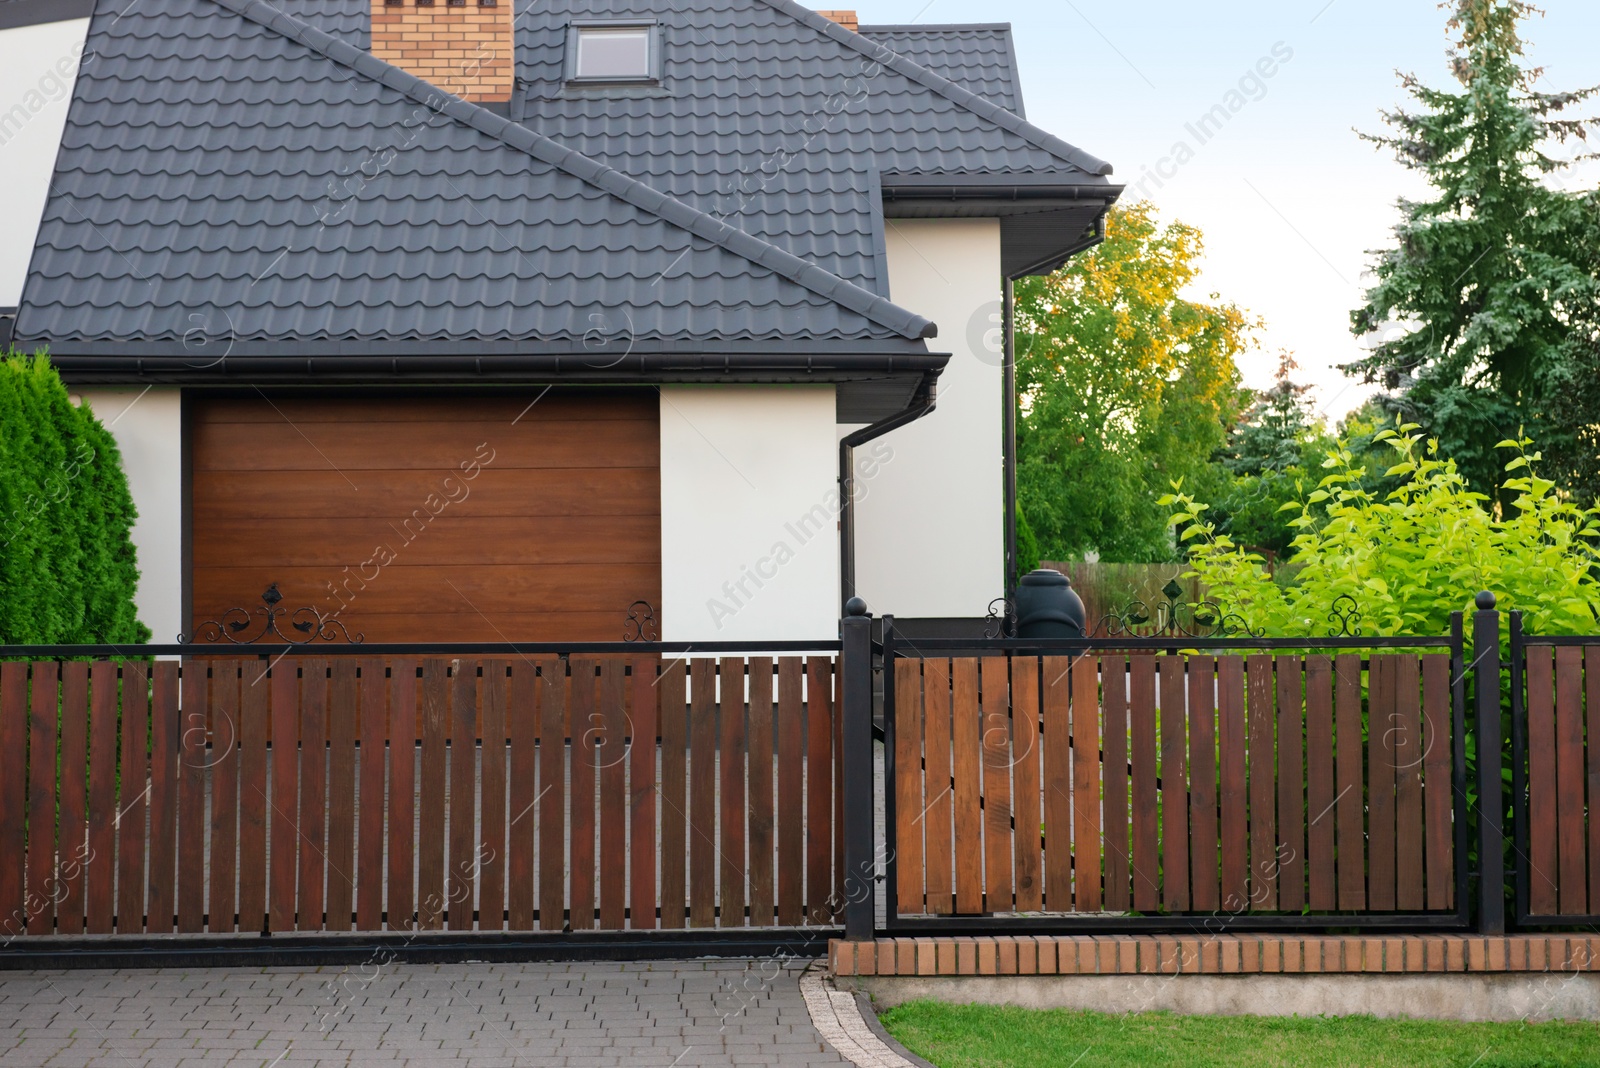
x: 67, y: 566
x: 1414, y: 555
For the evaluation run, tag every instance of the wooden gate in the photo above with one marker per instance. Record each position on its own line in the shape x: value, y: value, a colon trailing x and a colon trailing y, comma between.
x: 363, y: 793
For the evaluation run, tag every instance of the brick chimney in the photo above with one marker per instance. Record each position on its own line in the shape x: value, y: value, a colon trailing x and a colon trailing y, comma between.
x: 847, y: 19
x: 462, y: 46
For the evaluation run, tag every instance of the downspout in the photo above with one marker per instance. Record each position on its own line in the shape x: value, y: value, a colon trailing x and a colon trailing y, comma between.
x: 922, y: 402
x: 1008, y: 445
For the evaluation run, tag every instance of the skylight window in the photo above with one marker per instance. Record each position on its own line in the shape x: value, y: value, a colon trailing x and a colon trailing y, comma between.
x: 613, y: 53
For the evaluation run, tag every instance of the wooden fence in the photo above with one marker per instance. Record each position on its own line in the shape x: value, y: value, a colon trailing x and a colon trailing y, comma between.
x: 545, y: 794
x: 1174, y: 783
x: 1559, y: 867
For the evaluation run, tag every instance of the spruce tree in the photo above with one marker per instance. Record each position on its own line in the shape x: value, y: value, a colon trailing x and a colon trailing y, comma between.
x: 1489, y: 273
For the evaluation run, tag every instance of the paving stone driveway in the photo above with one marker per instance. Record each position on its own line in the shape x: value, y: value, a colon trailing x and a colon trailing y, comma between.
x: 669, y: 1013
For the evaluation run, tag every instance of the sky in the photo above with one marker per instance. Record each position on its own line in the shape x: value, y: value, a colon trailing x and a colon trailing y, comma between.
x: 1289, y: 198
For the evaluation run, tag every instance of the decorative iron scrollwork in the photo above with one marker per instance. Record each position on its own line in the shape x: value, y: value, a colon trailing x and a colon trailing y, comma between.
x: 1345, y: 616
x: 640, y: 626
x: 1001, y: 620
x: 1174, y: 617
x: 308, y: 624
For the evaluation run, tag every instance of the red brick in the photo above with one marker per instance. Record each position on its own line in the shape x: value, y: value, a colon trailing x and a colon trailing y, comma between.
x: 1293, y: 955
x: 946, y: 958
x: 1127, y: 959
x: 966, y: 956
x: 1497, y: 955
x: 1007, y: 950
x: 1168, y: 953
x: 905, y: 957
x: 988, y: 957
x: 927, y: 960
x: 1228, y: 957
x: 1149, y: 956
x: 1046, y: 950
x: 1372, y: 954
x: 1210, y: 956
x: 1394, y: 954
x: 1249, y: 953
x: 1455, y: 954
x: 1538, y: 954
x: 1027, y: 956
x: 1477, y: 954
x: 1271, y: 953
x: 836, y: 957
x: 1413, y: 954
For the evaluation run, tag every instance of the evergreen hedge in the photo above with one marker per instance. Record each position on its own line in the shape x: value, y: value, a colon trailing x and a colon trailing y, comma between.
x: 67, y: 566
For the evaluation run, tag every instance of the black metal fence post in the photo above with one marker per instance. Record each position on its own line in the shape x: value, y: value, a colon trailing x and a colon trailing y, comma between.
x: 856, y: 764
x: 1486, y: 725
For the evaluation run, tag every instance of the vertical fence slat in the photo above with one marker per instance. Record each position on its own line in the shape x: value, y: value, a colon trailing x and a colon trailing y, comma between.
x: 344, y: 711
x: 938, y: 855
x: 1203, y: 783
x: 461, y: 863
x: 1291, y: 787
x: 703, y: 793
x: 837, y: 899
x: 1146, y: 808
x: 613, y: 757
x: 227, y: 735
x: 166, y: 731
x: 1174, y: 787
x: 1541, y: 845
x: 908, y: 801
x: 1114, y: 673
x: 100, y: 874
x: 39, y: 916
x: 284, y: 691
x: 255, y: 726
x: 1320, y: 870
x: 642, y: 785
x: 791, y: 795
x: 313, y: 821
x: 732, y: 766
x: 1087, y: 843
x: 674, y: 789
x: 1263, y: 813
x: 762, y: 894
x: 191, y: 795
x: 1381, y: 717
x: 132, y: 797
x: 431, y: 798
x: 369, y: 838
x: 1591, y: 663
x: 1234, y: 785
x: 522, y: 830
x: 552, y: 794
x: 13, y: 794
x: 1058, y: 809
x: 997, y: 809
x: 1436, y: 786
x: 1025, y: 772
x: 1350, y: 804
x: 819, y: 789
x: 1571, y: 893
x: 74, y: 789
x: 967, y: 743
x: 581, y: 734
x: 492, y: 847
x: 402, y: 794
x: 1410, y: 891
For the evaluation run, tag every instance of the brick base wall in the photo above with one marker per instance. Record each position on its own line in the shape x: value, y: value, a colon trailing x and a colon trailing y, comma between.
x: 1213, y: 955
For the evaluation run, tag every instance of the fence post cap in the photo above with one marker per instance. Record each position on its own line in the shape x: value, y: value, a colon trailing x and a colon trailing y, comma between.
x: 1484, y: 600
x: 855, y: 606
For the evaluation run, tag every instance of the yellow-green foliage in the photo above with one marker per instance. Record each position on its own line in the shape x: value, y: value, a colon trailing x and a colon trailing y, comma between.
x: 1415, y: 556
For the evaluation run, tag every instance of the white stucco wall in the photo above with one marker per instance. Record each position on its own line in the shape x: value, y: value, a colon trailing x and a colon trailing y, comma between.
x: 148, y: 427
x: 40, y: 65
x: 749, y: 513
x: 930, y: 532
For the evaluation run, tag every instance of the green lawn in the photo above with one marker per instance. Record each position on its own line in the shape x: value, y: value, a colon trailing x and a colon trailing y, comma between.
x: 981, y: 1036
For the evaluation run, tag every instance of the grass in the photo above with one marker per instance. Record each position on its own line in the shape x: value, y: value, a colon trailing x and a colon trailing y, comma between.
x: 982, y: 1036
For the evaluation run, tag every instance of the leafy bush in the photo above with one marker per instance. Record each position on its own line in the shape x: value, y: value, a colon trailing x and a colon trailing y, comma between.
x: 67, y: 567
x: 1414, y: 556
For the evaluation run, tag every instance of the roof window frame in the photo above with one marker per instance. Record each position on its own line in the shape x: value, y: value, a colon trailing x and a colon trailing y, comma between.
x: 653, y: 36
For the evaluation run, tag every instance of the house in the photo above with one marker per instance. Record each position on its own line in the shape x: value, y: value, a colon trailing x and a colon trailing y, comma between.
x: 484, y: 320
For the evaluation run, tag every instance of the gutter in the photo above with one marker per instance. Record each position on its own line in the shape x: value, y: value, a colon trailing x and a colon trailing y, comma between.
x: 922, y: 402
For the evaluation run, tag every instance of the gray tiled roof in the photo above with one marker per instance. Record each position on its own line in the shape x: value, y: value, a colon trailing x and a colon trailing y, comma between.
x: 779, y: 120
x: 230, y: 170
x: 978, y: 57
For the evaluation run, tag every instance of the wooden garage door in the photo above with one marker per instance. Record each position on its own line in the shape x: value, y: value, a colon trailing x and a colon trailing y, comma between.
x: 466, y: 518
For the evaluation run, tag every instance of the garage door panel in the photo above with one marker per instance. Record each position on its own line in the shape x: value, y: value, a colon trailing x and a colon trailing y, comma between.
x: 356, y: 506
x: 282, y: 542
x: 398, y: 495
x: 430, y: 445
x: 499, y: 408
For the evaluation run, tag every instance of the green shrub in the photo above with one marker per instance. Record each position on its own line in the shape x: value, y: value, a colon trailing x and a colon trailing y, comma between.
x: 67, y: 567
x: 1414, y: 556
